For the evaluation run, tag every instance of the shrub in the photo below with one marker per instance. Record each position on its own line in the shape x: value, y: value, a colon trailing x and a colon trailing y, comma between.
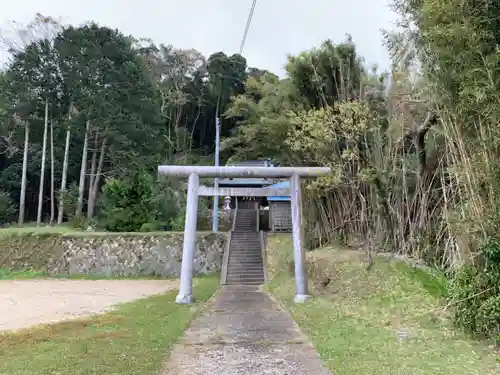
x: 70, y: 199
x: 129, y: 203
x: 475, y: 294
x: 488, y: 318
x: 171, y: 197
x: 150, y: 227
x: 176, y: 223
x: 79, y: 222
x: 171, y: 201
x: 7, y: 208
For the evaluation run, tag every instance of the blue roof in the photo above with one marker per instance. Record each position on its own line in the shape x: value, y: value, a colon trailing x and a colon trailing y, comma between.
x: 279, y: 185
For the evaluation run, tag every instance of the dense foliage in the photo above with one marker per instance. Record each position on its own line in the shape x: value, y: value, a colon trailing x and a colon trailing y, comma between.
x: 129, y: 204
x: 81, y: 104
x: 413, y: 151
x: 474, y: 292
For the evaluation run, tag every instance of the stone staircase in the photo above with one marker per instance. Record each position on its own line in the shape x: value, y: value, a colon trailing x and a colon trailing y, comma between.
x: 245, y: 265
x: 246, y: 220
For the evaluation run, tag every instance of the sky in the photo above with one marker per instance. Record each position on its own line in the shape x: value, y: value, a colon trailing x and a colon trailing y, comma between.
x: 279, y: 27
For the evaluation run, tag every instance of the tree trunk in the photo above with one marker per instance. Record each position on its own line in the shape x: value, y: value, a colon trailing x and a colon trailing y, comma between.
x: 83, y: 168
x: 93, y: 167
x: 22, y: 199
x: 42, y: 167
x: 52, y: 202
x: 64, y: 178
x: 95, y: 186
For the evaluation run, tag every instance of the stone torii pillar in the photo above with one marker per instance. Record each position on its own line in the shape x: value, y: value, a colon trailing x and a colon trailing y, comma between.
x: 194, y: 173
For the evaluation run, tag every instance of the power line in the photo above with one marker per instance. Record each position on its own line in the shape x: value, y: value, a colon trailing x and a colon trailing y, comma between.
x: 247, y: 27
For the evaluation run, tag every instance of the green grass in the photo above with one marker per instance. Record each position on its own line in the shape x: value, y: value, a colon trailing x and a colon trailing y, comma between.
x: 386, y: 320
x: 131, y: 234
x: 33, y: 229
x: 6, y: 274
x: 64, y: 230
x: 135, y: 339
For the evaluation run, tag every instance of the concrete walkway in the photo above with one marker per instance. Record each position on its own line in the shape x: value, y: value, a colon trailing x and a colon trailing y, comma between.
x: 244, y: 332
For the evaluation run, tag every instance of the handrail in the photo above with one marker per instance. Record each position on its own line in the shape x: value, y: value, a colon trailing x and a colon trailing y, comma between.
x: 235, y: 213
x: 257, y: 210
x: 225, y: 259
x: 263, y: 246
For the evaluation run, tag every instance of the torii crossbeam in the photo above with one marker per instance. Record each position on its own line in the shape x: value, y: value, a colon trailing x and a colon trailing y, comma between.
x: 194, y: 173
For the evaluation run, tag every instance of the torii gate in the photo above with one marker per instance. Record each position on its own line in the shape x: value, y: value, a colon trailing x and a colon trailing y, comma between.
x: 194, y: 173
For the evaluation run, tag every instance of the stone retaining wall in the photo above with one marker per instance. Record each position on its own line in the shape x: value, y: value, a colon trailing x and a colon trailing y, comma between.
x: 109, y: 254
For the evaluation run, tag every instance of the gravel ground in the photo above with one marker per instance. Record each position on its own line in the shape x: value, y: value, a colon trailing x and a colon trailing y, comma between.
x: 27, y: 303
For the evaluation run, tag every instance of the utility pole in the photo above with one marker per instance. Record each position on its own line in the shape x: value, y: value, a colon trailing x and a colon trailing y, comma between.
x: 215, y: 221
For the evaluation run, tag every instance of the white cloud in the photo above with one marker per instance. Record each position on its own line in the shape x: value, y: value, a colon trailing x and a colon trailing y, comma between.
x: 279, y: 27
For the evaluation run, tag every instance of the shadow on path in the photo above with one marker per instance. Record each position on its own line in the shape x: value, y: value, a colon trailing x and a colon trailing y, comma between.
x: 244, y: 331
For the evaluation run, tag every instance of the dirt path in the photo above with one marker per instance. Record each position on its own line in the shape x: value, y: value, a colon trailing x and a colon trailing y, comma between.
x: 25, y: 303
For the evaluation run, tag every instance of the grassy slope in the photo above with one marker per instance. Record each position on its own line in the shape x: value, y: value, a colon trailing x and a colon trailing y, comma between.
x: 135, y: 339
x: 385, y: 320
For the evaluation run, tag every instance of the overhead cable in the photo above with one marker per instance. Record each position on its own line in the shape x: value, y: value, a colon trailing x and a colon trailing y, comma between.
x: 247, y: 27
